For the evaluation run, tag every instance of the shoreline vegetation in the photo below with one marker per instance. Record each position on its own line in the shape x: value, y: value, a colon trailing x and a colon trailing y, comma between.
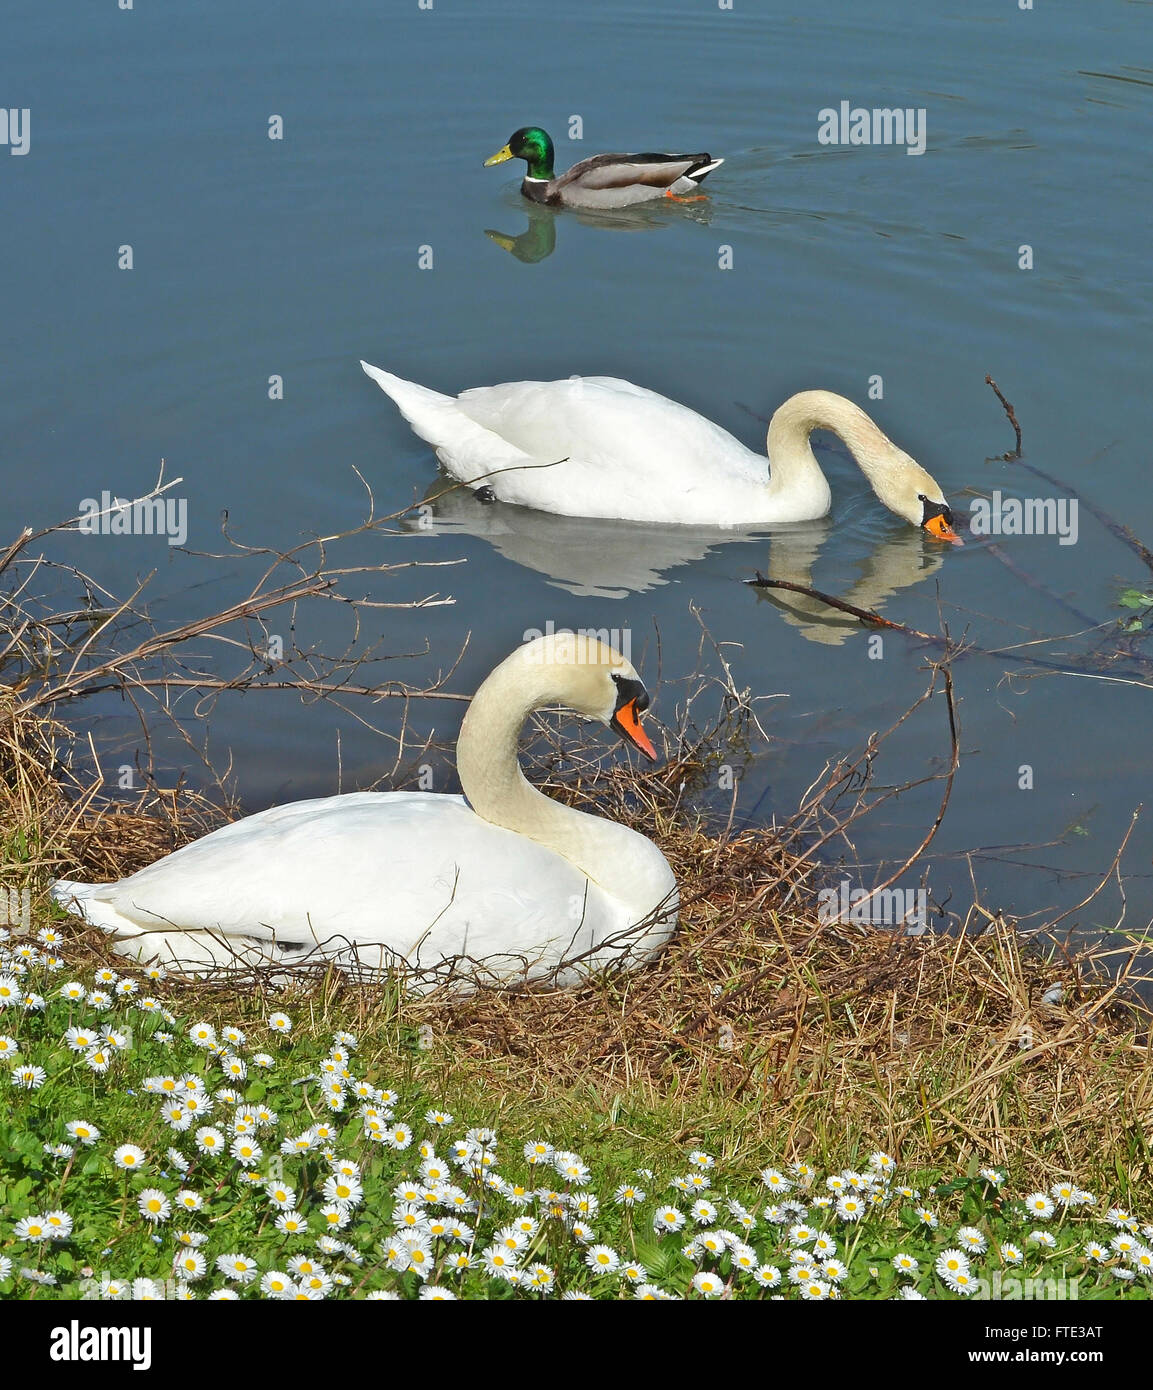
x: 762, y: 1036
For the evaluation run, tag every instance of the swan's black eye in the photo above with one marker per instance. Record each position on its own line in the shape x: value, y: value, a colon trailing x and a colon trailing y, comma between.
x: 921, y: 497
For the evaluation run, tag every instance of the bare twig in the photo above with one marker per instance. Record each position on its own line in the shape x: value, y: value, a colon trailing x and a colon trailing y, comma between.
x: 1016, y: 454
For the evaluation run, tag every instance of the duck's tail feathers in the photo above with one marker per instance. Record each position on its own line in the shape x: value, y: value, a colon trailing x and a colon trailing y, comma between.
x: 702, y: 171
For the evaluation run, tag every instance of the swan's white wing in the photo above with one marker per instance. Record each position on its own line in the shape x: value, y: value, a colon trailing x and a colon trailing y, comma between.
x: 628, y: 452
x: 394, y: 875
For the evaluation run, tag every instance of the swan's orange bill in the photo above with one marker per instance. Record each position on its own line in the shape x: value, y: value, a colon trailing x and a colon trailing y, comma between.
x: 628, y: 724
x: 939, y: 528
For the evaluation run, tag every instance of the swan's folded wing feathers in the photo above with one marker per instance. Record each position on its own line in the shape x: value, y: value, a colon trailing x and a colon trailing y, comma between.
x: 448, y: 884
x: 628, y: 451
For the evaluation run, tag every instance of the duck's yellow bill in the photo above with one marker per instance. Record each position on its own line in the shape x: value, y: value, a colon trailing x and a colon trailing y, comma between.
x: 499, y: 157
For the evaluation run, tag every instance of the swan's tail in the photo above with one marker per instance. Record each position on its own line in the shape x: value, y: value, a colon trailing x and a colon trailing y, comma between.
x: 189, y: 952
x: 468, y: 451
x: 78, y: 899
x: 416, y: 402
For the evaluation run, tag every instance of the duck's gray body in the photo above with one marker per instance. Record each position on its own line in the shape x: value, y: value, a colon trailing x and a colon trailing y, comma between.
x: 620, y: 180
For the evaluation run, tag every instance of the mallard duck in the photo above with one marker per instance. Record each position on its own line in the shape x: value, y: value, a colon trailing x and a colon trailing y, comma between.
x: 598, y: 446
x: 605, y: 180
x: 506, y: 885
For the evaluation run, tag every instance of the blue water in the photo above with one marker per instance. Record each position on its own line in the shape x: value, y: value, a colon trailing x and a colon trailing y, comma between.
x: 255, y: 258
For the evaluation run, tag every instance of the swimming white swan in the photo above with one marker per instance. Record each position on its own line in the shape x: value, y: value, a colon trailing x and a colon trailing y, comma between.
x: 510, y: 885
x: 598, y: 446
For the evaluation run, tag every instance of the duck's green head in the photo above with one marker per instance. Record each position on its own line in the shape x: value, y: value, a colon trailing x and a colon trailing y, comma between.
x: 531, y: 144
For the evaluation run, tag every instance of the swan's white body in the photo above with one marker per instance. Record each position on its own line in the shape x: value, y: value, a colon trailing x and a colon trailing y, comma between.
x: 602, y: 447
x: 415, y: 879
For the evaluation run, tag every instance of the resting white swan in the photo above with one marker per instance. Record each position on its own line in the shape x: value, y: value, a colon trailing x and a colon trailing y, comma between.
x: 526, y: 887
x: 598, y: 446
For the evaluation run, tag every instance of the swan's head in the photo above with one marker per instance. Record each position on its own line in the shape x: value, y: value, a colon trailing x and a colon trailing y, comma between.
x: 905, y: 488
x: 589, y: 676
x: 898, y: 480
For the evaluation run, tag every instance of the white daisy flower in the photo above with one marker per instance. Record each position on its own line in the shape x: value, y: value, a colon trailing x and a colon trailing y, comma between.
x: 603, y: 1259
x: 668, y: 1219
x: 209, y: 1140
x: 189, y: 1265
x: 31, y: 1228
x: 153, y: 1205
x: 29, y: 1078
x: 972, y: 1240
x: 241, y: 1269
x: 709, y: 1285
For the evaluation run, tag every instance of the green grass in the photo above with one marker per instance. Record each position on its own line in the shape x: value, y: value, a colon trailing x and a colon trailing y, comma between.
x: 620, y: 1140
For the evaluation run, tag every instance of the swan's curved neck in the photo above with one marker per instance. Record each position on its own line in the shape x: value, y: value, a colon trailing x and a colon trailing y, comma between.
x: 622, y: 862
x: 793, y: 465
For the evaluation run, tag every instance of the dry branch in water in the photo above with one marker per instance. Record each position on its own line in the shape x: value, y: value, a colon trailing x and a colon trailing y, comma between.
x: 1016, y: 454
x: 54, y: 651
x: 1116, y: 528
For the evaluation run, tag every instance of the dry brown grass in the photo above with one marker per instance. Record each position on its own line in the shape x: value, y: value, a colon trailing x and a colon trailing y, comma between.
x: 55, y: 823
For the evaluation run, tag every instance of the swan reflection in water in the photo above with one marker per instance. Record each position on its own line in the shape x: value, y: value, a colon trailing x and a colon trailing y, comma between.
x: 597, y: 558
